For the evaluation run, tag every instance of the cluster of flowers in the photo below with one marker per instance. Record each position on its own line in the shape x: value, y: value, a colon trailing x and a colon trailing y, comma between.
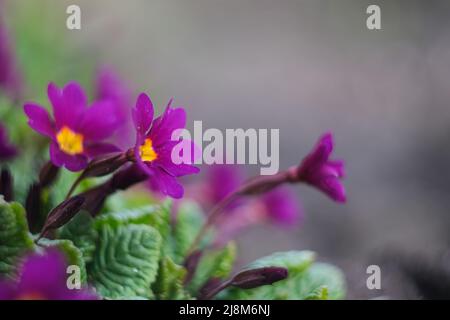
x: 93, y: 139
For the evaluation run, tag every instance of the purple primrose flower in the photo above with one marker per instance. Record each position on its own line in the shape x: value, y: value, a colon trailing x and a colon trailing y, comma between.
x: 77, y: 133
x: 42, y: 277
x: 318, y: 170
x: 154, y: 145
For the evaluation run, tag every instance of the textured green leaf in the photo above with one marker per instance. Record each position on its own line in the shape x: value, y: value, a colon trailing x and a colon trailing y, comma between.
x: 81, y: 232
x: 72, y: 253
x: 189, y: 221
x: 141, y: 215
x: 15, y: 240
x: 217, y: 264
x: 126, y: 259
x: 169, y: 282
x: 306, y: 280
x: 294, y: 261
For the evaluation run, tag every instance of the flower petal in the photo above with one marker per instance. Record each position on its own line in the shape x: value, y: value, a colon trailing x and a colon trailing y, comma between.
x: 319, y: 155
x: 39, y: 120
x: 164, y: 125
x: 61, y: 159
x: 99, y: 121
x: 97, y: 149
x: 167, y: 184
x: 143, y: 114
x: 333, y: 187
x: 68, y: 104
x: 43, y: 275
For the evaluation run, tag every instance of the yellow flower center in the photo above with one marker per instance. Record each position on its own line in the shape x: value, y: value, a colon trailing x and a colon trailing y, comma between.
x: 147, y: 152
x: 69, y: 141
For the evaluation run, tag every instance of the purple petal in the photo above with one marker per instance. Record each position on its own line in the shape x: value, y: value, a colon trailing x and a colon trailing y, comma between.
x: 61, y: 159
x: 167, y: 184
x: 333, y: 187
x: 164, y: 160
x: 97, y: 149
x: 43, y: 274
x: 39, y: 120
x: 8, y: 290
x: 282, y: 206
x: 320, y: 153
x: 163, y: 126
x: 143, y: 114
x: 68, y: 104
x: 338, y: 167
x: 99, y: 121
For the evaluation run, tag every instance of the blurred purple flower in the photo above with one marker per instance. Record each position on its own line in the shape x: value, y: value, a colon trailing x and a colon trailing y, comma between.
x: 10, y: 76
x: 318, y: 170
x: 154, y: 145
x: 7, y: 151
x: 42, y: 277
x: 282, y: 207
x: 109, y: 86
x: 78, y: 132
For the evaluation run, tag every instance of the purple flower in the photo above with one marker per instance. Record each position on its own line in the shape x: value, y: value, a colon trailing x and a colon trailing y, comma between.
x: 77, y: 132
x: 7, y: 151
x: 10, y: 77
x: 318, y: 170
x: 154, y: 145
x: 109, y: 86
x: 42, y: 277
x: 282, y: 206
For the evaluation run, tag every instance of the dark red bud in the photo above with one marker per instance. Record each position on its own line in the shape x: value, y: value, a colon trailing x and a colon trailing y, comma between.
x: 103, y: 166
x: 48, y: 174
x: 6, y: 185
x: 191, y: 264
x: 33, y: 207
x: 62, y: 214
x: 249, y: 279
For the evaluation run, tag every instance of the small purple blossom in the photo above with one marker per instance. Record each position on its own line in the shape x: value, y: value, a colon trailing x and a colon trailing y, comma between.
x: 42, y: 277
x: 7, y: 150
x: 154, y: 145
x: 282, y: 207
x: 77, y: 133
x: 109, y: 86
x: 10, y: 76
x: 318, y: 170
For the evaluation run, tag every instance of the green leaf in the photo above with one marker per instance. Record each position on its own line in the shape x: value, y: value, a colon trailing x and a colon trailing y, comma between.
x: 189, y: 221
x: 141, y: 215
x: 169, y: 282
x: 15, y: 240
x: 126, y: 259
x: 81, y: 232
x: 72, y: 253
x: 217, y: 264
x: 323, y: 281
x: 294, y: 261
x: 306, y: 280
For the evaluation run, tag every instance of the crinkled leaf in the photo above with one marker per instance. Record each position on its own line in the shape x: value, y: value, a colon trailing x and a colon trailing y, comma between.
x: 15, y: 239
x: 82, y: 233
x: 294, y: 261
x: 126, y: 259
x: 189, y: 221
x: 306, y: 280
x: 169, y: 282
x: 214, y: 264
x: 72, y: 253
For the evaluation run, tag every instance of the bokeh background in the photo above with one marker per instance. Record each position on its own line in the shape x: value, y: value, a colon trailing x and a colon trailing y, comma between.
x: 305, y: 67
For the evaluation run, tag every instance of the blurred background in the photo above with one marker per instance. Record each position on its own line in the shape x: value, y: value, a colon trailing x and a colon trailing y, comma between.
x: 305, y: 67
